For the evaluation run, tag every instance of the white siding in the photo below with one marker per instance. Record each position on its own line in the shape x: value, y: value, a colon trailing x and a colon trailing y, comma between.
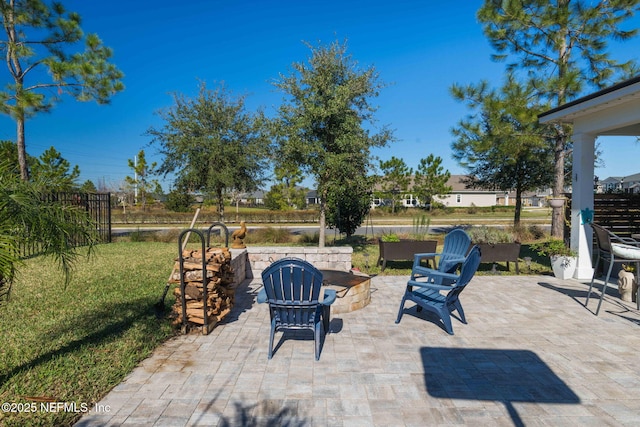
x: 466, y: 199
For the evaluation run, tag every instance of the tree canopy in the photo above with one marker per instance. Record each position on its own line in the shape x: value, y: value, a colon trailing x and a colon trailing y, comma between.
x: 430, y: 179
x: 325, y: 121
x: 501, y: 143
x: 44, y: 61
x: 349, y: 201
x: 50, y: 171
x: 395, y: 180
x: 212, y: 144
x: 53, y: 172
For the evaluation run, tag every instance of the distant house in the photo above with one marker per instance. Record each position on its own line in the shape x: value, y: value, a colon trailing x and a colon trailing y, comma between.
x: 253, y: 198
x: 312, y: 198
x: 631, y: 183
x: 536, y: 199
x: 613, y: 183
x: 624, y: 184
x: 461, y: 196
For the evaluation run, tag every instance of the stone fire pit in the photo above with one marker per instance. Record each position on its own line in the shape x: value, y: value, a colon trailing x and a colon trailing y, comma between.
x: 353, y: 291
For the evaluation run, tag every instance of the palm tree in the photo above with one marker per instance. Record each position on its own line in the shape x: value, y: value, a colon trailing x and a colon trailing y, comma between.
x: 55, y: 229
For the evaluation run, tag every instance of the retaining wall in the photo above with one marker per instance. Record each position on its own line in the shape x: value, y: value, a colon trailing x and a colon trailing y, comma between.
x: 249, y: 262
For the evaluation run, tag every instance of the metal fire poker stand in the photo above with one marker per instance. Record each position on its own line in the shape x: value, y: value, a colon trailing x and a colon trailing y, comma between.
x: 206, y: 328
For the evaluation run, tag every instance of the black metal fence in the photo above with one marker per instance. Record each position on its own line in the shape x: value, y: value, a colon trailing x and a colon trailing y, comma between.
x: 98, y: 207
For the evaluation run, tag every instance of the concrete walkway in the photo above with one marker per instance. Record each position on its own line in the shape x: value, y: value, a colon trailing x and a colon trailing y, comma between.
x: 531, y: 355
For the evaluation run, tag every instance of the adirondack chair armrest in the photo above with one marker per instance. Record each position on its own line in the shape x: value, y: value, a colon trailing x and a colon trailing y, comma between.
x: 434, y: 286
x: 418, y: 257
x: 262, y: 296
x: 419, y: 271
x: 329, y: 297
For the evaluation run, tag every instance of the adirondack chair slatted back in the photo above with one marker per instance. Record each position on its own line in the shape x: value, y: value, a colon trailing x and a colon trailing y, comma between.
x: 456, y: 245
x: 467, y: 271
x: 293, y: 286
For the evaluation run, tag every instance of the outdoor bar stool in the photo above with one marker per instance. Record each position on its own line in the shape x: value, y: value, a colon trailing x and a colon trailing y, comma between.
x: 613, y: 249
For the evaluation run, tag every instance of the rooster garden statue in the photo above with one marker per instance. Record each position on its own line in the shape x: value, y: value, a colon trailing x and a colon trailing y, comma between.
x: 238, y: 237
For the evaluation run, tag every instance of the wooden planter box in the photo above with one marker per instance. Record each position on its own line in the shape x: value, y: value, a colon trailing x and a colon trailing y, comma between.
x: 403, y: 250
x: 500, y: 252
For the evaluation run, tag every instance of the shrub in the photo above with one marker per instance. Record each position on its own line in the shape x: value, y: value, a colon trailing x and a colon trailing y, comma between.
x: 137, y: 236
x: 484, y: 234
x: 391, y: 237
x: 553, y: 247
x: 179, y: 201
x: 310, y: 238
x: 537, y: 232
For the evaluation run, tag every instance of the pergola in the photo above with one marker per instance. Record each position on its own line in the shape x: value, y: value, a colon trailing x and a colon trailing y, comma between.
x: 612, y: 111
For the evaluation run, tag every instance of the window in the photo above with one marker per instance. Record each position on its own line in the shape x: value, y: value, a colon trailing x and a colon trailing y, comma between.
x: 458, y: 198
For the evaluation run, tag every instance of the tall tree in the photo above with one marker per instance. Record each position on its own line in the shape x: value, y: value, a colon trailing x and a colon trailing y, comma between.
x: 501, y: 143
x: 213, y: 144
x: 141, y: 182
x: 322, y: 123
x: 430, y: 179
x: 395, y: 180
x: 41, y: 50
x: 52, y: 172
x: 562, y: 46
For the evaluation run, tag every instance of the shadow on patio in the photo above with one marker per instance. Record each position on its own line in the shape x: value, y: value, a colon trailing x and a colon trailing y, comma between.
x: 505, y: 376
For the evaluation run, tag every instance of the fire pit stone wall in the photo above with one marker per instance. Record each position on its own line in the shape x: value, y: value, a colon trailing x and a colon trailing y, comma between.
x: 252, y: 260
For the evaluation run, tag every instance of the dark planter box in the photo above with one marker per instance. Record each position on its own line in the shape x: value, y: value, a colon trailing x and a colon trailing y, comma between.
x: 404, y: 250
x: 500, y: 252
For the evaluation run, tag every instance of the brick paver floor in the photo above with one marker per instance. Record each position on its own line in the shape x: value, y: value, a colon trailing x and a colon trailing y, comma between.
x: 530, y: 355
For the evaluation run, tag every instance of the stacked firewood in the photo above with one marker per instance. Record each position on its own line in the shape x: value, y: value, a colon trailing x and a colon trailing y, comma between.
x: 220, y: 287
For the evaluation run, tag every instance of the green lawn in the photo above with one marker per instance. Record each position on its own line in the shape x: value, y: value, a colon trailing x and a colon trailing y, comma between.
x: 75, y: 344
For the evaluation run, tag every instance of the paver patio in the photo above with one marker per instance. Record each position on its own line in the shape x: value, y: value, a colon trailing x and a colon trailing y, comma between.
x: 531, y: 355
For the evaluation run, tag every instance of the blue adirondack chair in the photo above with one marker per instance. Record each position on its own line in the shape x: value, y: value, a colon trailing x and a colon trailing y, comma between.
x: 456, y: 246
x: 442, y: 299
x: 292, y: 289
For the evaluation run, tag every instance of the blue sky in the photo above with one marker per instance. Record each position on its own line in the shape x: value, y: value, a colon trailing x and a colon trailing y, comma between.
x: 419, y: 48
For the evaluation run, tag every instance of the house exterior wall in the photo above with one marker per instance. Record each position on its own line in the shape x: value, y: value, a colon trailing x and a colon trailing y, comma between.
x: 468, y: 199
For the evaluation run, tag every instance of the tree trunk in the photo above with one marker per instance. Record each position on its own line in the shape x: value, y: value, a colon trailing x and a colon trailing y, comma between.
x: 323, y: 222
x: 220, y: 204
x: 22, y: 150
x: 557, y: 215
x: 516, y: 216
